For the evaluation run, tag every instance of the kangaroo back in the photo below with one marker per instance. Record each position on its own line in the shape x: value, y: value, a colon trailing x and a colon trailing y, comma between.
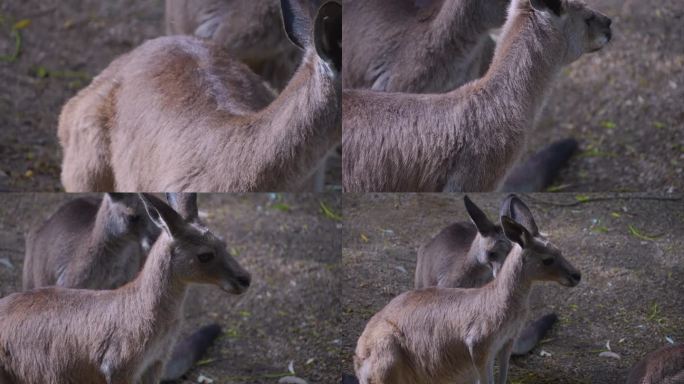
x: 664, y: 366
x: 89, y: 243
x: 463, y: 255
x: 250, y: 30
x: 428, y: 46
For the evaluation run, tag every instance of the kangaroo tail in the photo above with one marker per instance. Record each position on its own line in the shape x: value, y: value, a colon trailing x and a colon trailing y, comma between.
x: 349, y: 379
x: 533, y: 334
x: 187, y: 351
x: 538, y: 172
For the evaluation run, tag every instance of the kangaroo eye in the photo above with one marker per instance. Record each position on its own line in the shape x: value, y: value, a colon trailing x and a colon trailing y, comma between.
x: 205, y: 257
x: 491, y: 255
x: 135, y: 219
x: 548, y: 261
x: 589, y: 19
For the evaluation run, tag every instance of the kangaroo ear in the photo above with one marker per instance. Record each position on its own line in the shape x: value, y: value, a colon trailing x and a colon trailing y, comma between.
x: 328, y: 33
x: 479, y: 218
x: 515, y: 232
x: 162, y: 215
x: 185, y: 204
x: 555, y: 6
x: 297, y: 21
x: 514, y: 208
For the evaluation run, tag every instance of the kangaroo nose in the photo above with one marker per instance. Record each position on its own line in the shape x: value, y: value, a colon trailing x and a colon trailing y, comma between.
x: 244, y: 280
x: 577, y: 277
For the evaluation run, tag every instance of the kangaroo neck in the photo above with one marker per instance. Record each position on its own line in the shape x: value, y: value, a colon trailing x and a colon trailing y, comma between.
x: 107, y: 236
x: 524, y: 66
x: 511, y: 288
x: 158, y: 292
x: 462, y: 22
x: 300, y: 126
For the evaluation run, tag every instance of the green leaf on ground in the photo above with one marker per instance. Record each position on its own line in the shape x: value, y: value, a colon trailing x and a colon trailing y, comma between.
x: 582, y: 198
x: 21, y: 24
x: 608, y: 124
x: 329, y: 213
x: 282, y: 207
x: 639, y: 235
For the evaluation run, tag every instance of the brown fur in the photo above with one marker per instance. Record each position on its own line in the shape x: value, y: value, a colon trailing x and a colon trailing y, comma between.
x: 468, y: 139
x: 188, y: 118
x: 418, y: 46
x: 454, y: 335
x: 664, y: 366
x: 58, y: 336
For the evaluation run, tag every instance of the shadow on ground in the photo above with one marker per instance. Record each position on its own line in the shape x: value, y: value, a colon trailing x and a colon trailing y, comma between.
x: 290, y: 314
x: 629, y: 251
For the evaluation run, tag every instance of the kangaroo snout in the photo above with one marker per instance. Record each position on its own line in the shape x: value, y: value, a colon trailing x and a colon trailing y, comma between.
x: 572, y: 279
x: 238, y: 284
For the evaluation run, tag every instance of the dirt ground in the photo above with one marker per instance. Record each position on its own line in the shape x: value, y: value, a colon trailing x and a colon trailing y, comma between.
x: 289, y: 314
x: 631, y: 294
x: 66, y: 44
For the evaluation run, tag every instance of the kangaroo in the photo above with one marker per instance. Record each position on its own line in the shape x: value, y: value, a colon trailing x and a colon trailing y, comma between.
x: 664, y: 366
x: 464, y: 254
x: 467, y: 139
x: 430, y: 46
x: 177, y: 115
x: 247, y: 29
x: 113, y: 227
x: 89, y: 243
x: 470, y: 254
x: 446, y: 335
x: 57, y: 335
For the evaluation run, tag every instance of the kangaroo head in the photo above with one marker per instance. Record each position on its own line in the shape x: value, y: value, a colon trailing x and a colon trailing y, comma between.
x: 490, y: 244
x: 580, y: 28
x: 126, y: 217
x: 197, y: 255
x: 310, y: 24
x: 543, y: 260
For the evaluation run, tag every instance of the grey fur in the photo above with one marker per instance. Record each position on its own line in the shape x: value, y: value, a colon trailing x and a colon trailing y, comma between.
x: 433, y: 46
x: 89, y: 243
